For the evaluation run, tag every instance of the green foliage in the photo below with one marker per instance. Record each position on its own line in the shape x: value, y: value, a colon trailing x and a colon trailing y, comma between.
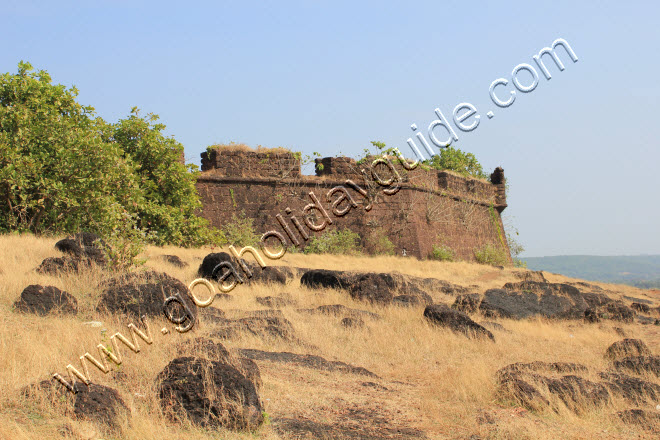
x: 491, y: 254
x: 63, y: 170
x: 240, y: 231
x: 336, y: 241
x: 57, y: 174
x: 377, y: 243
x: 442, y: 253
x: 125, y: 243
x: 453, y: 159
x: 515, y: 247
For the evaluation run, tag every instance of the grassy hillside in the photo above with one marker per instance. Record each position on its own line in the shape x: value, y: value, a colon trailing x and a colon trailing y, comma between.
x: 432, y: 383
x: 638, y: 270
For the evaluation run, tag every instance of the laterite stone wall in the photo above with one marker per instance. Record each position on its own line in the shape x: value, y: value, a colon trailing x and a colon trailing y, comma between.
x: 431, y: 206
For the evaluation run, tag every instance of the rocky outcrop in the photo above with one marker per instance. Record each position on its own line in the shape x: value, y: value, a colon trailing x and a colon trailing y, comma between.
x: 627, y: 347
x: 42, y: 300
x: 81, y: 251
x: 528, y: 299
x: 210, y: 393
x: 93, y: 402
x: 459, y: 322
x: 137, y: 294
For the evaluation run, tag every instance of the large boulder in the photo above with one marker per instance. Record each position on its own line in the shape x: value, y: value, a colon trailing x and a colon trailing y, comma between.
x: 459, y: 322
x: 525, y: 384
x: 627, y: 347
x: 633, y: 389
x: 262, y: 326
x: 551, y: 300
x: 211, y: 394
x: 137, y: 294
x: 373, y: 287
x: 44, y: 300
x: 93, y: 402
x: 211, y: 261
x: 639, y: 365
x: 84, y: 245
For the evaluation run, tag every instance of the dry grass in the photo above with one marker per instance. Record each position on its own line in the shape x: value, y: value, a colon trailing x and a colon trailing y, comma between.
x: 233, y: 146
x: 434, y: 380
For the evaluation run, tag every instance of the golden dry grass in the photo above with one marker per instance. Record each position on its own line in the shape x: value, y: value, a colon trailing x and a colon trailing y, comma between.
x: 430, y: 379
x: 239, y: 146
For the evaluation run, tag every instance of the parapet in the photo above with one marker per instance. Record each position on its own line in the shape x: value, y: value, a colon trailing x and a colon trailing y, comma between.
x: 228, y: 163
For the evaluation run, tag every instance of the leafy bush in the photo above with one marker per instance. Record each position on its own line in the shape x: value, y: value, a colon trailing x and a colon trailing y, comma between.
x: 491, y: 254
x: 125, y: 243
x: 62, y: 169
x: 240, y: 231
x: 336, y: 241
x: 377, y: 243
x: 442, y: 253
x: 453, y: 159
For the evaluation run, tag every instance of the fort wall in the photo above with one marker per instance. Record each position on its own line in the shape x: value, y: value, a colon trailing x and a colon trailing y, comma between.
x: 431, y: 206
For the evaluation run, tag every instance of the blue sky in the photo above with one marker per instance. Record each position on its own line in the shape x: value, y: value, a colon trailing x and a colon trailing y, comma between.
x: 580, y: 152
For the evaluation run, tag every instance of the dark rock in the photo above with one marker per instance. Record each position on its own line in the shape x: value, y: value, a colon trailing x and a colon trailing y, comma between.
x: 223, y: 297
x: 304, y: 360
x: 521, y: 382
x: 260, y: 326
x: 555, y: 367
x: 639, y: 364
x: 560, y: 301
x: 627, y: 347
x: 639, y: 307
x: 494, y: 326
x: 84, y: 245
x: 647, y: 320
x: 57, y: 265
x: 92, y: 402
x: 212, y: 314
x: 616, y: 311
x: 324, y: 279
x: 273, y: 301
x: 456, y: 321
x: 137, y: 294
x: 215, y: 351
x: 373, y: 287
x: 468, y: 303
x: 211, y: 394
x: 352, y: 323
x: 514, y: 385
x: 407, y: 301
x: 43, y: 300
x: 175, y: 261
x: 648, y: 420
x: 636, y: 390
x: 638, y: 300
x: 211, y: 261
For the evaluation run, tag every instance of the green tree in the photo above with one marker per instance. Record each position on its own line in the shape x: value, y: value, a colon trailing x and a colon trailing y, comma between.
x: 62, y: 169
x: 453, y: 159
x: 168, y: 185
x: 56, y: 172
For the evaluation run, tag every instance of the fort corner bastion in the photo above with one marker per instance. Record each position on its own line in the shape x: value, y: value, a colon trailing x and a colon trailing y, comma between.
x: 431, y: 207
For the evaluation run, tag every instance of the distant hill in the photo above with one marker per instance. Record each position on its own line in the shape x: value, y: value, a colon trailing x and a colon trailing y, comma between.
x: 637, y: 270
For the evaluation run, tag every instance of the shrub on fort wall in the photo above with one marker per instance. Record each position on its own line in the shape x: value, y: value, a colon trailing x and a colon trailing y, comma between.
x: 240, y: 231
x: 491, y: 254
x: 442, y: 253
x: 336, y: 241
x: 376, y: 242
x: 453, y: 159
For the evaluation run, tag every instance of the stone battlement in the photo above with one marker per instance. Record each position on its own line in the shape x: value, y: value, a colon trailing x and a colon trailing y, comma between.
x: 430, y: 207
